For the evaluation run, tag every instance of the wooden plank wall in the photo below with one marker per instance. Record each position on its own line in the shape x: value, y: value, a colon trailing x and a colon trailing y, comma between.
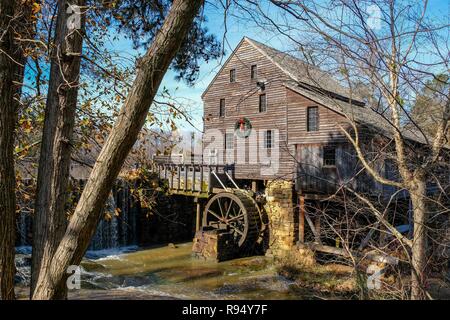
x: 242, y: 100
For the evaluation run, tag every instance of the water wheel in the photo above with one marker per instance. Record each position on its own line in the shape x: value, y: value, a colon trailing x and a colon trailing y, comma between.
x: 236, y: 212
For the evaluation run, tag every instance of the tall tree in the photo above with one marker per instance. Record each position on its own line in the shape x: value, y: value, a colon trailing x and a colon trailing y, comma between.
x: 379, y: 43
x: 50, y: 220
x: 151, y: 70
x: 13, y: 22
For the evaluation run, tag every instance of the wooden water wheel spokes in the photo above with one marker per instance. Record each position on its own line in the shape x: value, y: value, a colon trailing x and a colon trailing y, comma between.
x: 236, y: 213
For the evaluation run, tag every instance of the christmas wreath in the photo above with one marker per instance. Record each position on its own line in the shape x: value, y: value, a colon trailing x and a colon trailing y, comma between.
x: 243, y: 127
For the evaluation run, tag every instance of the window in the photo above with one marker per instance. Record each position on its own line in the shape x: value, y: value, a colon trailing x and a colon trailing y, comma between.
x: 268, y: 139
x: 229, y: 141
x: 329, y: 156
x: 262, y: 103
x: 222, y: 108
x: 233, y: 75
x: 213, y: 156
x: 253, y: 72
x: 312, y: 119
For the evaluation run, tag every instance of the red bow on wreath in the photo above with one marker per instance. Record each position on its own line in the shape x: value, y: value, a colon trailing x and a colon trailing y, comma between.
x: 241, y: 124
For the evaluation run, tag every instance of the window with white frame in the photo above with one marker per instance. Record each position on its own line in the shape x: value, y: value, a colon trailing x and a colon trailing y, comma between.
x: 229, y: 141
x: 312, y: 119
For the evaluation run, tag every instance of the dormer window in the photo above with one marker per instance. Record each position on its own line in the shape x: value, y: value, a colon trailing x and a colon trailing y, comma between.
x: 233, y: 75
x: 254, y: 72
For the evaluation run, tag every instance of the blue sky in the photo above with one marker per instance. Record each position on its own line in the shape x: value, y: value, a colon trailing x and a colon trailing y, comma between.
x: 237, y: 28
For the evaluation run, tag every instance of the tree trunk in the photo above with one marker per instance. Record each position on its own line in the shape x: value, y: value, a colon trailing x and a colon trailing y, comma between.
x: 131, y: 119
x: 419, y: 247
x: 54, y: 164
x: 13, y: 18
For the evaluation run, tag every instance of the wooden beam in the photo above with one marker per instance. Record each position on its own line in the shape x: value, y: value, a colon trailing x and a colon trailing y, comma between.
x: 317, y: 227
x: 367, y: 238
x: 193, y: 178
x: 179, y: 177
x: 198, y: 222
x: 254, y: 186
x: 373, y: 256
x: 313, y: 227
x: 301, y: 220
x: 201, y: 177
x: 171, y: 177
x: 186, y: 177
x: 209, y: 178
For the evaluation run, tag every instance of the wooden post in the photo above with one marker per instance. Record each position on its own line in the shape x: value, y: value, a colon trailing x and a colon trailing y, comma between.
x: 186, y: 177
x: 201, y: 177
x: 254, y: 186
x: 198, y: 218
x: 317, y: 227
x: 209, y: 179
x: 193, y: 178
x: 301, y: 221
x: 179, y: 177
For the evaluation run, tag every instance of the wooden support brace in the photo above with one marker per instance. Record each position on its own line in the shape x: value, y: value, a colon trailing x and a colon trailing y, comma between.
x: 193, y: 178
x: 313, y: 227
x: 198, y: 217
x: 373, y: 256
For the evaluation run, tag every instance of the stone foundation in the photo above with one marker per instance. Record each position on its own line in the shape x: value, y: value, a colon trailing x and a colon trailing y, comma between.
x: 283, y: 222
x: 214, y: 245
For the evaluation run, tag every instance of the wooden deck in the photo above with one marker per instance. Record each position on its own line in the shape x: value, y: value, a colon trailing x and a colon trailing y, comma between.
x: 192, y: 179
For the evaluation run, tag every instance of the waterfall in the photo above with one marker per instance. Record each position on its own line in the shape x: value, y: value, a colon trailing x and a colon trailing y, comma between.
x: 124, y: 211
x: 121, y: 229
x: 23, y: 228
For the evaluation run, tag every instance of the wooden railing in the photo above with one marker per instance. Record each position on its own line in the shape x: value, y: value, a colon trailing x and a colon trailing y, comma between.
x: 189, y: 178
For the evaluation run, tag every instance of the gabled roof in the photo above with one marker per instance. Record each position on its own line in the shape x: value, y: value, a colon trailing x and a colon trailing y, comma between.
x: 302, y: 72
x: 294, y: 69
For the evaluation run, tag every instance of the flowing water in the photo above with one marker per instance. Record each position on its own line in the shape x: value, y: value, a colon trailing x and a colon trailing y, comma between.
x: 170, y: 272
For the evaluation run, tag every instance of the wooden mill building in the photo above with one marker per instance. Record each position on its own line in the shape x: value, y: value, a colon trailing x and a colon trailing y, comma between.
x: 281, y: 125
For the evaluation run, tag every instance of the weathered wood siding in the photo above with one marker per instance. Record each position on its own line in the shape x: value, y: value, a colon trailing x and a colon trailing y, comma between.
x: 300, y: 151
x: 242, y: 100
x: 315, y: 177
x: 329, y: 122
